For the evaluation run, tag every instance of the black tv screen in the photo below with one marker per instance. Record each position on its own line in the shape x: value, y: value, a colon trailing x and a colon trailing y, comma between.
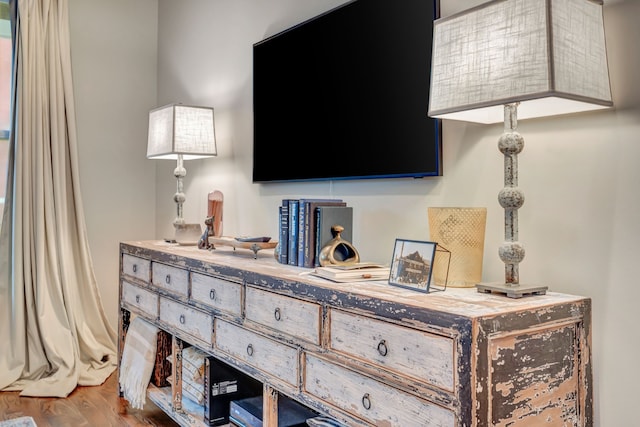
x: 345, y: 95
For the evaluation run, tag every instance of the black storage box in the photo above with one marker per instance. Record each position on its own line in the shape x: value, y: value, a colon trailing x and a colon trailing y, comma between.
x: 222, y: 384
x: 248, y: 413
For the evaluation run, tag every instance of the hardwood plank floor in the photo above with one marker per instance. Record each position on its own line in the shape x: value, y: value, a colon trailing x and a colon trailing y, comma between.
x: 85, y: 406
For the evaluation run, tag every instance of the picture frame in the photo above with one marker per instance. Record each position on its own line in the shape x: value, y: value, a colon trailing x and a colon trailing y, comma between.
x: 411, y: 264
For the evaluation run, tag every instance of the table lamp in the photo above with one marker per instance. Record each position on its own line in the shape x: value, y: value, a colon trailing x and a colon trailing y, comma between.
x: 510, y: 59
x: 181, y: 132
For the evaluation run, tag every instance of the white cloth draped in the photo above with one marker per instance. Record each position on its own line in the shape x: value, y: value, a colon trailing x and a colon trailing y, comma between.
x: 138, y: 360
x: 53, y: 328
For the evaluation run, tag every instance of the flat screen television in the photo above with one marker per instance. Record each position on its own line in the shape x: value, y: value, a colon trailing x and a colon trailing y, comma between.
x: 345, y: 95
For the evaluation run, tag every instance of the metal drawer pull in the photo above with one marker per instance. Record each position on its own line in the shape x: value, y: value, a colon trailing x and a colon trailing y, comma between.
x: 182, y: 319
x: 168, y: 279
x: 382, y: 348
x: 366, y: 401
x: 135, y: 268
x: 212, y: 294
x: 138, y: 299
x: 250, y: 350
x: 276, y: 314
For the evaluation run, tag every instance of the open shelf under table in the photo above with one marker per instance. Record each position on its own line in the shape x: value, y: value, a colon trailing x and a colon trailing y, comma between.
x: 190, y: 415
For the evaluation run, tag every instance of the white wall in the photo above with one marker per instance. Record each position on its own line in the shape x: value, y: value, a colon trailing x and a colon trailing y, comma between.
x: 114, y: 59
x: 579, y: 223
x: 579, y: 174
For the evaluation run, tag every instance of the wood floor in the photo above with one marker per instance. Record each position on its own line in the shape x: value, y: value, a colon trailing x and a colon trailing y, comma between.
x: 85, y: 406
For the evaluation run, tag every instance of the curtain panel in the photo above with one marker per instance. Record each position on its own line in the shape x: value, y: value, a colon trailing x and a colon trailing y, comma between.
x: 53, y: 328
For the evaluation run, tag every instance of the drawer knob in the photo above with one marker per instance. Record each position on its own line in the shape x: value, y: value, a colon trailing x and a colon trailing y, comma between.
x: 182, y: 319
x: 135, y: 268
x: 137, y: 299
x: 382, y: 348
x: 250, y: 350
x: 167, y: 279
x: 212, y: 294
x: 366, y: 401
x: 276, y: 314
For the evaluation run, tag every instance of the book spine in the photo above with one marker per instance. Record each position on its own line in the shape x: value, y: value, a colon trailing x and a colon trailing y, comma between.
x: 302, y: 213
x: 304, y: 221
x: 306, y: 234
x: 293, y: 232
x: 283, y: 233
x: 316, y: 244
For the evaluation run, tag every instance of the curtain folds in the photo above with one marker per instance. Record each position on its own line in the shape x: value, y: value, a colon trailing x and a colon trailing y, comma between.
x: 53, y: 327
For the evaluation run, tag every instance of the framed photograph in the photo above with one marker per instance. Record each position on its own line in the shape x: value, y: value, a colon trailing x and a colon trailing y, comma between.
x: 412, y: 263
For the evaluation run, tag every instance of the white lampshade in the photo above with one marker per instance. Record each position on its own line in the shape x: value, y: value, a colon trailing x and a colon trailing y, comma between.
x: 548, y: 55
x: 181, y: 129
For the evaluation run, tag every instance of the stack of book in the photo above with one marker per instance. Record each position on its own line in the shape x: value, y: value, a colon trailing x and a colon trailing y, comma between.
x: 305, y: 228
x: 362, y: 271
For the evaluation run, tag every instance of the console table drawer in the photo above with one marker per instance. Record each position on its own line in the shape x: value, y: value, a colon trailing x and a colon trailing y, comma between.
x: 216, y: 293
x: 364, y: 354
x: 136, y: 267
x: 376, y: 403
x: 291, y: 316
x: 186, y: 319
x: 260, y: 352
x: 142, y: 299
x: 172, y: 279
x: 429, y: 358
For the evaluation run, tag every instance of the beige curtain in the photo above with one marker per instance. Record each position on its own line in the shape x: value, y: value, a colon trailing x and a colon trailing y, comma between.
x: 53, y: 329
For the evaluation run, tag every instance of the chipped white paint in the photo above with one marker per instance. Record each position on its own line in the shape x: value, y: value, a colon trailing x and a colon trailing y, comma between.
x: 368, y: 353
x: 410, y: 352
x: 365, y: 397
x: 141, y: 299
x: 194, y: 322
x: 279, y: 360
x: 288, y: 315
x: 216, y: 293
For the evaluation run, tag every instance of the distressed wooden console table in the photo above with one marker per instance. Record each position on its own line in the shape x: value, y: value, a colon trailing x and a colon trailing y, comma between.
x: 365, y: 353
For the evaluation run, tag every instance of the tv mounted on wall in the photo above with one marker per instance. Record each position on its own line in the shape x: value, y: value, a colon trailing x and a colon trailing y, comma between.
x: 345, y: 95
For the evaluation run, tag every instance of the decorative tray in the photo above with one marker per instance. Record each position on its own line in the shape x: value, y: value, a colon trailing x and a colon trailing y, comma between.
x: 243, y: 244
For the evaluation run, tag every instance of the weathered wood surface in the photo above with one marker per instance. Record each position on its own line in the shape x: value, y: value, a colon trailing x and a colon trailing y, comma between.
x: 539, y: 373
x: 142, y: 299
x: 268, y: 356
x: 410, y: 352
x: 289, y: 315
x: 172, y: 279
x: 162, y: 367
x: 186, y: 416
x: 457, y: 357
x: 264, y: 270
x: 270, y: 403
x: 196, y: 323
x: 373, y: 401
x: 216, y: 293
x: 137, y: 267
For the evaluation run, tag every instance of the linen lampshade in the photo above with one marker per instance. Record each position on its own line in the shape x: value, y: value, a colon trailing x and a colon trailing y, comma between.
x: 181, y: 129
x: 548, y: 55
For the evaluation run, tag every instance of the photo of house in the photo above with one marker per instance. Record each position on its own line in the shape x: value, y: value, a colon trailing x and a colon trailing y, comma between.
x: 411, y: 264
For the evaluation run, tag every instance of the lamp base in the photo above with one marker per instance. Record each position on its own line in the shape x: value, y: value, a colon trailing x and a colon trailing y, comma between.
x: 511, y: 290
